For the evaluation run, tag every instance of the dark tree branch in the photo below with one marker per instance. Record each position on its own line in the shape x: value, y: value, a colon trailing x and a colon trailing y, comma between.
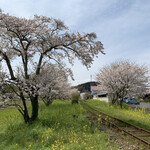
x: 20, y: 109
x: 9, y: 66
x: 39, y: 65
x: 14, y: 90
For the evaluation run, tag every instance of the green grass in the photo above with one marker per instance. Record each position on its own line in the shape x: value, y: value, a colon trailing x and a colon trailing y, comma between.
x: 139, y: 117
x: 61, y: 126
x: 148, y: 101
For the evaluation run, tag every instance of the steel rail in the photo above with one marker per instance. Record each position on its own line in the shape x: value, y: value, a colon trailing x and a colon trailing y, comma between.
x: 129, y: 124
x: 147, y: 143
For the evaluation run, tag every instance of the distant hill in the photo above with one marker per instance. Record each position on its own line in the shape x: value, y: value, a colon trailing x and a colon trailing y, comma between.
x: 86, y: 87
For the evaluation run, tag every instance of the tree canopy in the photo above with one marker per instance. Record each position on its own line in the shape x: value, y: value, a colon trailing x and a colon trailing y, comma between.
x: 124, y: 79
x: 36, y: 42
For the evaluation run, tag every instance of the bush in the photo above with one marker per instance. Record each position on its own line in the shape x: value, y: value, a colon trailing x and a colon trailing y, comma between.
x: 75, y: 98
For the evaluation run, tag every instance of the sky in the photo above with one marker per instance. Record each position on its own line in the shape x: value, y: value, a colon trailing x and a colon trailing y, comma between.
x: 123, y: 26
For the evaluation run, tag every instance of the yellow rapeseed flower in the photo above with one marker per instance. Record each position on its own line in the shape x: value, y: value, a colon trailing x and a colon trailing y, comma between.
x: 29, y: 146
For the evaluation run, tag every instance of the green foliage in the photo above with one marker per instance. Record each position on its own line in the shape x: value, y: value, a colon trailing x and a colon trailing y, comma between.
x: 116, y: 105
x: 56, y: 129
x: 75, y: 98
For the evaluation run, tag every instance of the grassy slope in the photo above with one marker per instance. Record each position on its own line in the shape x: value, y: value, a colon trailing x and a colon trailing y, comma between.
x: 138, y: 117
x: 55, y: 129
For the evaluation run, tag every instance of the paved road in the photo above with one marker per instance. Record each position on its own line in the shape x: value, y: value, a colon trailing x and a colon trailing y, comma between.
x: 142, y: 104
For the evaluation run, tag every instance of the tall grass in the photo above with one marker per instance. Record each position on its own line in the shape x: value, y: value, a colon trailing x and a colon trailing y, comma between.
x: 139, y: 117
x: 60, y: 126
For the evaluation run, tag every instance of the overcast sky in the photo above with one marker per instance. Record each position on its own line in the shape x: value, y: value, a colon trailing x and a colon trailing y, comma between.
x: 123, y: 26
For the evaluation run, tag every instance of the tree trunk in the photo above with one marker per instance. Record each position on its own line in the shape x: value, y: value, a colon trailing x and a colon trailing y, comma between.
x: 113, y: 101
x: 121, y: 101
x: 113, y: 98
x: 47, y: 101
x: 26, y: 116
x: 25, y: 111
x: 35, y: 107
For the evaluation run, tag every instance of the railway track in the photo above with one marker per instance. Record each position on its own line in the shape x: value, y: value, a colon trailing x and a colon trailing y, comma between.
x: 131, y: 130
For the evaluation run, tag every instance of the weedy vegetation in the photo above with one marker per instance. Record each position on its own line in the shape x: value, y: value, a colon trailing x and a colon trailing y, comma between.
x: 61, y: 126
x: 139, y: 117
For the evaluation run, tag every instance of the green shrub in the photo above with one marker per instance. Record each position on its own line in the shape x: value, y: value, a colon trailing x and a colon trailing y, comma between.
x: 75, y: 98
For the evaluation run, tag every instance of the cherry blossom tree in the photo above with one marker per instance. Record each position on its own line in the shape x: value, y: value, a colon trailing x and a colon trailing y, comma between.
x: 34, y: 42
x: 54, y: 83
x: 123, y: 79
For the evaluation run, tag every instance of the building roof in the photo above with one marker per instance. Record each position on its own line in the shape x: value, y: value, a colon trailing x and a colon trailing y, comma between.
x: 86, y: 87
